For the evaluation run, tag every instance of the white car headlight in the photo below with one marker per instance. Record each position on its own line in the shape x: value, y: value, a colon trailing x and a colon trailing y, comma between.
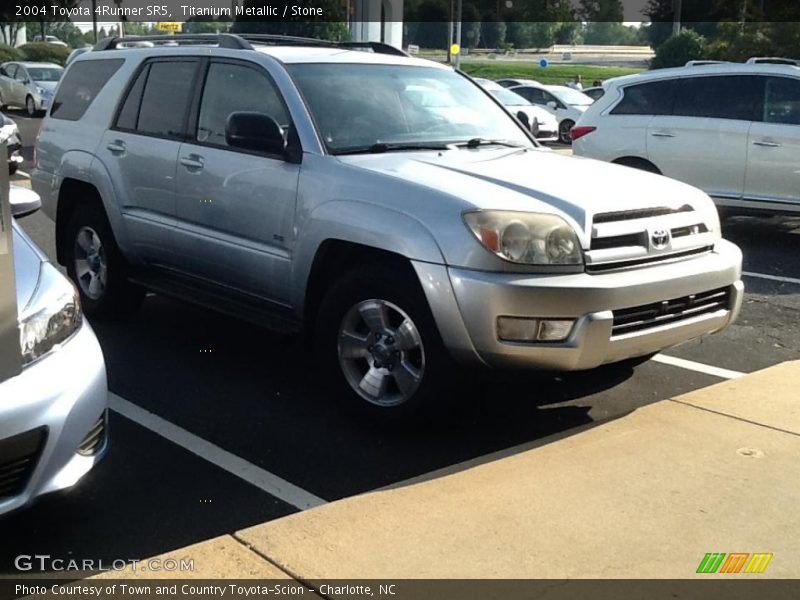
x: 51, y: 317
x: 526, y: 238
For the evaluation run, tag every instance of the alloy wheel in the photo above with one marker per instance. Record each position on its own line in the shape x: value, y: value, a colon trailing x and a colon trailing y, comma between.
x: 91, y: 266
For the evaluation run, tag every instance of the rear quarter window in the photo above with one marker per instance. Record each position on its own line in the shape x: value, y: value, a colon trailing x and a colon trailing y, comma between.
x: 81, y: 84
x: 654, y: 98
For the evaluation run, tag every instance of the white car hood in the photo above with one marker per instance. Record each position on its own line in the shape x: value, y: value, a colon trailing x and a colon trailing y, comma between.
x: 534, y: 180
x: 50, y: 86
x: 27, y: 263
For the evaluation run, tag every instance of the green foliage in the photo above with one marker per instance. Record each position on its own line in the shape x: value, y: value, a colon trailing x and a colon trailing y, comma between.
x: 333, y: 28
x: 608, y: 33
x: 554, y: 74
x: 493, y: 33
x: 42, y: 52
x: 600, y: 11
x: 7, y: 53
x: 679, y: 49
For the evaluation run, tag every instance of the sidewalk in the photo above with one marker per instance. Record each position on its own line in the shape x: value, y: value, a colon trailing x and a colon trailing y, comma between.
x: 644, y: 496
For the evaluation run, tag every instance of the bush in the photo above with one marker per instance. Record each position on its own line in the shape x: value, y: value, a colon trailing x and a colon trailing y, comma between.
x: 678, y: 50
x: 7, y: 53
x: 42, y: 52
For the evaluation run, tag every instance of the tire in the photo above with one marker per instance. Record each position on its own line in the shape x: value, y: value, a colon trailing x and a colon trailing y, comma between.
x: 394, y: 368
x: 30, y: 106
x: 564, y: 128
x: 96, y: 265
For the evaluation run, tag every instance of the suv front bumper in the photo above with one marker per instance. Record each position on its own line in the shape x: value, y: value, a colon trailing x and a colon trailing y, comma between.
x: 591, y: 300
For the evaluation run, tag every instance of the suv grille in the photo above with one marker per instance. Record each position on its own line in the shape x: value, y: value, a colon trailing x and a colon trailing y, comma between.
x: 631, y: 238
x: 95, y: 438
x: 638, y: 318
x: 18, y: 458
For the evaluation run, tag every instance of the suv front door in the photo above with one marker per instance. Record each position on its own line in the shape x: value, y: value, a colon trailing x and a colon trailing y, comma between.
x: 236, y: 207
x: 773, y: 152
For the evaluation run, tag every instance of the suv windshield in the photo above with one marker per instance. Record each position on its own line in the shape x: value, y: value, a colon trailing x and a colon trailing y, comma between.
x: 360, y: 106
x: 45, y: 73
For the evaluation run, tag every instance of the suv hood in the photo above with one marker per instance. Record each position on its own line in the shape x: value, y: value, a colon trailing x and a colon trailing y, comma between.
x: 535, y: 180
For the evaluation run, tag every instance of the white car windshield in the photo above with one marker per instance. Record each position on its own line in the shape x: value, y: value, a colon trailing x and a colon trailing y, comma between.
x: 369, y: 108
x: 50, y: 74
x: 571, y: 97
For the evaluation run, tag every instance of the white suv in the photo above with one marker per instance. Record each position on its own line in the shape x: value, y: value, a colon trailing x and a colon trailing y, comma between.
x: 732, y: 130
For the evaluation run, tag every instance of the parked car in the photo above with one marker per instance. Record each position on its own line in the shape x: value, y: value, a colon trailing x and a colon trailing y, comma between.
x: 543, y: 125
x: 565, y: 103
x: 732, y: 130
x: 316, y: 190
x: 508, y: 83
x: 50, y: 39
x: 595, y: 92
x: 9, y: 133
x: 28, y: 85
x: 53, y: 423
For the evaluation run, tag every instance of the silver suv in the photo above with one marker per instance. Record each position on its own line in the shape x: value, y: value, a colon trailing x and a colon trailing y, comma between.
x: 387, y: 205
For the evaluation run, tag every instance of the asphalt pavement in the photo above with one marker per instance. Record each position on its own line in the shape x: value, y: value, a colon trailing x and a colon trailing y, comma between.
x: 228, y: 425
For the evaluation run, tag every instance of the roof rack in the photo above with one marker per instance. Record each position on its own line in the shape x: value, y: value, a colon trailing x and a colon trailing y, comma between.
x: 703, y: 63
x: 772, y: 60
x: 241, y: 42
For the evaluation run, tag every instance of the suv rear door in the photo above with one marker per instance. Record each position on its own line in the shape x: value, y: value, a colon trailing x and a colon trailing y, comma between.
x: 773, y: 152
x: 236, y: 207
x: 704, y: 141
x: 140, y: 152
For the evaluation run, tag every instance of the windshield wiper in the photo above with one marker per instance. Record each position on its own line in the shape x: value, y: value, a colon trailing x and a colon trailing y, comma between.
x: 479, y: 141
x: 380, y: 147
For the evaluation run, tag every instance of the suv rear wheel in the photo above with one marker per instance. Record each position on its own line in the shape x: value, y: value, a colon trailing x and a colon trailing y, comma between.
x: 379, y: 345
x: 96, y: 265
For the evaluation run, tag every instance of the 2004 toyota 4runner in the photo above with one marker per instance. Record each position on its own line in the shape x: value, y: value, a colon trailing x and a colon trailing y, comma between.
x: 386, y: 204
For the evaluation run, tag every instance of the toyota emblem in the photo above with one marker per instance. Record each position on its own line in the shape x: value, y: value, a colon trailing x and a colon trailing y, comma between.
x: 660, y: 238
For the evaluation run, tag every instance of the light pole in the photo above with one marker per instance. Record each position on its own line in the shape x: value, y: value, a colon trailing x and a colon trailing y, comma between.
x: 458, y: 33
x: 677, y: 6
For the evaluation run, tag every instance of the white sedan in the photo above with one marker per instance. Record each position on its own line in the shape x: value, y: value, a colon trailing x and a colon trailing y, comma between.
x: 565, y: 103
x: 543, y: 124
x: 28, y: 85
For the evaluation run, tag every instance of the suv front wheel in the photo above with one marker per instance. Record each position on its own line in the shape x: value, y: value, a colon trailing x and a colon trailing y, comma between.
x: 96, y: 265
x: 379, y: 345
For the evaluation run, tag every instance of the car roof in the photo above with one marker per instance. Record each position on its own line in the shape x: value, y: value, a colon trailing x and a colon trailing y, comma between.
x: 35, y: 64
x: 707, y: 69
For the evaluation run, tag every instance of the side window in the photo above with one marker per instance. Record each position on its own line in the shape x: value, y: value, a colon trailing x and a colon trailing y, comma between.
x: 722, y: 97
x: 232, y: 88
x: 654, y: 98
x: 10, y: 71
x: 548, y: 97
x: 21, y: 75
x: 782, y: 101
x: 129, y: 113
x: 165, y: 98
x: 81, y: 84
x: 531, y: 95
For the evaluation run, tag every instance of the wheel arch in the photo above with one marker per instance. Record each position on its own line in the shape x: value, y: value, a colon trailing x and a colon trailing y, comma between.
x: 637, y: 162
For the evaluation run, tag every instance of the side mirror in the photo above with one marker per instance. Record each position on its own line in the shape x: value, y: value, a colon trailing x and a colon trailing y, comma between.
x: 254, y: 131
x: 523, y: 118
x: 24, y: 202
x: 552, y: 104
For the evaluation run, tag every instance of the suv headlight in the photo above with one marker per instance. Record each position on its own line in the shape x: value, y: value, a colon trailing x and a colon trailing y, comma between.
x: 51, y: 317
x: 526, y: 238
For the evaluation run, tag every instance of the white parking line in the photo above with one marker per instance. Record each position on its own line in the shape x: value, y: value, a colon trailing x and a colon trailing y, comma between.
x: 23, y: 174
x: 252, y: 474
x: 771, y: 277
x: 691, y: 365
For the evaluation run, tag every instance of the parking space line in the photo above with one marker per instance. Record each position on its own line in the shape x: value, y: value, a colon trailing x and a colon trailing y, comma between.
x: 691, y: 365
x: 252, y: 474
x: 23, y: 174
x: 772, y: 277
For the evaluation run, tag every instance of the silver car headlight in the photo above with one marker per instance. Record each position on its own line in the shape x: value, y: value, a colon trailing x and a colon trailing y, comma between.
x: 51, y: 318
x: 526, y: 238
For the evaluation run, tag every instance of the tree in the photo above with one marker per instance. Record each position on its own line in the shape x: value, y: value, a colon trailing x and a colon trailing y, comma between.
x: 333, y: 28
x: 605, y: 33
x: 601, y: 10
x: 678, y: 50
x: 493, y: 32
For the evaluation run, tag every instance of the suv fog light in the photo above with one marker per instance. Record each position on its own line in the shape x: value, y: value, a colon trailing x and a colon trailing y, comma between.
x: 552, y: 330
x: 521, y: 329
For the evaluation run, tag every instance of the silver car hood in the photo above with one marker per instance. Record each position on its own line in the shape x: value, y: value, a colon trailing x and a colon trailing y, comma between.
x: 46, y: 85
x: 534, y: 180
x: 28, y: 260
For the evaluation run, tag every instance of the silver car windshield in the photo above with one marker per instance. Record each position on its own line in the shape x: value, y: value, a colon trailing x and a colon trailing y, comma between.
x: 364, y: 107
x: 48, y: 74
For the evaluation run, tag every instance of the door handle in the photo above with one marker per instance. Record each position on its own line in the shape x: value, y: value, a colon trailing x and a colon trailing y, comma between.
x: 766, y: 144
x: 193, y: 162
x: 117, y: 147
x: 663, y: 134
